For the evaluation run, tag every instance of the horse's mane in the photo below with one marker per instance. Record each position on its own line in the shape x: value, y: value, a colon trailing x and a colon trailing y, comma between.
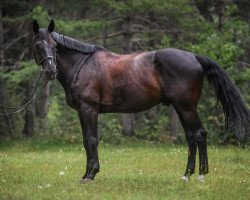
x: 75, y: 44
x: 71, y: 43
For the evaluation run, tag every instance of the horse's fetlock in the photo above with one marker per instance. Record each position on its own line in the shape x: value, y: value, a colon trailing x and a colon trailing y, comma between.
x: 96, y: 167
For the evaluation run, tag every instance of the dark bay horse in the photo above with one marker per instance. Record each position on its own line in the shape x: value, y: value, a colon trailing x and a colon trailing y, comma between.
x: 96, y: 81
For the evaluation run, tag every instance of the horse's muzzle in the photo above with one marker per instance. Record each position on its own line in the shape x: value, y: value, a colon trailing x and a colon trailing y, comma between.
x: 50, y: 75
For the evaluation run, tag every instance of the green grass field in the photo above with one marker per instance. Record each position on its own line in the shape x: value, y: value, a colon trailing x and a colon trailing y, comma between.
x: 41, y: 170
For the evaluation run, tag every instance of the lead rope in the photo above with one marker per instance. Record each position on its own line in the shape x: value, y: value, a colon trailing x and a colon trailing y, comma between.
x: 22, y: 107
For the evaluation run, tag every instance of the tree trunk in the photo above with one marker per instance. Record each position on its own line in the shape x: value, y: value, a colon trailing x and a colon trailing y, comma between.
x: 174, y: 124
x: 42, y: 107
x: 6, y: 129
x: 2, y: 90
x: 9, y: 124
x: 128, y: 119
x: 128, y: 124
x: 204, y: 8
x: 221, y: 12
x: 1, y: 40
x: 128, y: 35
x: 29, y: 124
x: 105, y: 33
x: 151, y: 41
x: 2, y: 125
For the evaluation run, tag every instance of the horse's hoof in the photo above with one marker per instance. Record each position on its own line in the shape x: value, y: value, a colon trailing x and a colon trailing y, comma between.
x: 201, y: 178
x: 184, y: 178
x: 86, y: 180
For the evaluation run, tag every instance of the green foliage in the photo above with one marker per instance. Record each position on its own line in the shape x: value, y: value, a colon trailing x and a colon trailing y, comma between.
x: 15, y: 82
x: 151, y: 125
x: 63, y: 122
x: 79, y: 29
x: 41, y: 15
x: 155, y: 24
x: 110, y: 129
x: 26, y: 72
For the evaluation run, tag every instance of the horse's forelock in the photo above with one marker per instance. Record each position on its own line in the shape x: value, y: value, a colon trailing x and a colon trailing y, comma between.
x: 46, y: 35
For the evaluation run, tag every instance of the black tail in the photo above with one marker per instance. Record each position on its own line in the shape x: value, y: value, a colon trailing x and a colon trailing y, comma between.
x: 237, y: 115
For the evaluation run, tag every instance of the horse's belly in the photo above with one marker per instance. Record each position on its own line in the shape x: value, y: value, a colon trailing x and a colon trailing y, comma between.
x: 122, y: 109
x: 131, y: 102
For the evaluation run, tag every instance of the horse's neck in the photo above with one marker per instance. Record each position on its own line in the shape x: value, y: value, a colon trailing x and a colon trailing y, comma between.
x: 66, y: 63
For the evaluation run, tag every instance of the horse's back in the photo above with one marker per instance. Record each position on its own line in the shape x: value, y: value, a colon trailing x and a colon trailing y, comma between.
x: 179, y: 59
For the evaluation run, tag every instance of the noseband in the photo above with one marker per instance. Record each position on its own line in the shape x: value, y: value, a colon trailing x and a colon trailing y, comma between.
x: 43, y: 59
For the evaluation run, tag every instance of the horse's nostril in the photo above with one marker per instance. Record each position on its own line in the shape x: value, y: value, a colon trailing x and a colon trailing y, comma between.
x: 51, y: 74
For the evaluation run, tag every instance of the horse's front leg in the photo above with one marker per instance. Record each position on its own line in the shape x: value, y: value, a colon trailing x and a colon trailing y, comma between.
x: 89, y: 118
x: 86, y: 145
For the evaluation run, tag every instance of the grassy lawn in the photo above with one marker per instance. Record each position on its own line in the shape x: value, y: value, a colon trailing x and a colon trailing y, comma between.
x: 40, y: 170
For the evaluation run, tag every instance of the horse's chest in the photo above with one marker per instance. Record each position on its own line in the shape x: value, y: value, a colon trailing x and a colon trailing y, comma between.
x: 82, y: 93
x: 71, y: 100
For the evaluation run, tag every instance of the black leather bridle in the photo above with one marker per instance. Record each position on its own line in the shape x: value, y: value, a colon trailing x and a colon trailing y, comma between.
x: 43, y: 59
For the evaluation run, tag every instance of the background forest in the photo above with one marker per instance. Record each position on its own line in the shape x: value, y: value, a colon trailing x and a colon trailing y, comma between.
x: 219, y: 29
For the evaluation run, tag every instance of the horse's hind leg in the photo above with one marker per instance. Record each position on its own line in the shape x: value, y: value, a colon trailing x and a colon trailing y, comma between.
x: 196, y: 135
x: 192, y: 146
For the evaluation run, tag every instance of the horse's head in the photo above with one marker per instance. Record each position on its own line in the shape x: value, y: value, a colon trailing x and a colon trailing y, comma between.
x: 45, y: 49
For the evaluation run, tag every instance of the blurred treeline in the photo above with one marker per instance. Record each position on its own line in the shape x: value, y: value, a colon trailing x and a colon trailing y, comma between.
x: 219, y: 29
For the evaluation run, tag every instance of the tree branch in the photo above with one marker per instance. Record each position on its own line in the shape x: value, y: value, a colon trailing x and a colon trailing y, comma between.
x: 135, y: 31
x: 139, y: 26
x: 101, y: 15
x: 243, y: 64
x: 107, y: 36
x: 20, y: 26
x: 6, y: 31
x: 148, y: 21
x: 155, y: 31
x: 15, y: 40
x: 139, y: 44
x: 17, y: 63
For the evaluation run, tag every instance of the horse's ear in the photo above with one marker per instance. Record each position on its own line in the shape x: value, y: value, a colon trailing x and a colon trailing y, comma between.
x: 51, y: 26
x: 35, y: 26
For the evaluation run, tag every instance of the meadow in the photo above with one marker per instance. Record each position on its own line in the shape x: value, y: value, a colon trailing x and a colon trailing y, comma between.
x: 36, y: 169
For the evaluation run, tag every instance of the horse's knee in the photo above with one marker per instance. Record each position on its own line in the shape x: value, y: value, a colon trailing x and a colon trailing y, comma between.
x: 200, y: 136
x: 90, y: 144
